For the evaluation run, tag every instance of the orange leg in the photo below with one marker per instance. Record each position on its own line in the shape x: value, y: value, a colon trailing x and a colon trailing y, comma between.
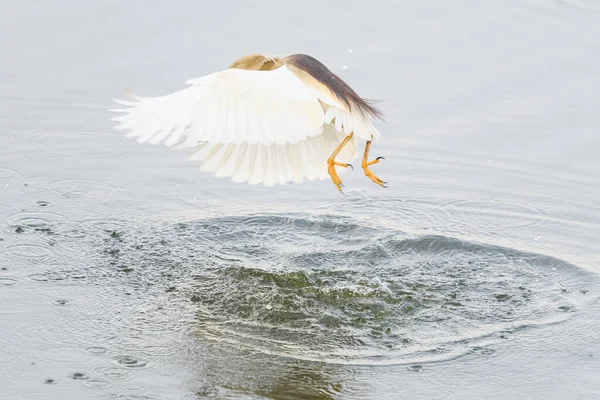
x: 366, y: 164
x: 331, y: 163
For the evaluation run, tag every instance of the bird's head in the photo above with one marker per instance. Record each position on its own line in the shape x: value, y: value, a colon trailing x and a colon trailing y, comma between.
x: 257, y: 62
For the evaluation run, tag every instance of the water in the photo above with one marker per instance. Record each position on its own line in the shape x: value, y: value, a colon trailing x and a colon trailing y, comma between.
x: 127, y: 274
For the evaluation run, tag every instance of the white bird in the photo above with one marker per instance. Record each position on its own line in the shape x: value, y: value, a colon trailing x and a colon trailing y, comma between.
x: 263, y: 120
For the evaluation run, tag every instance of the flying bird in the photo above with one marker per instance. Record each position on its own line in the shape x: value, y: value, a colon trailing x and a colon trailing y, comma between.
x: 263, y: 120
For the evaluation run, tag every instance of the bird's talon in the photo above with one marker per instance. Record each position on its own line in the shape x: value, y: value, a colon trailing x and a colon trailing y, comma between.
x: 351, y: 166
x: 380, y: 158
x: 331, y: 163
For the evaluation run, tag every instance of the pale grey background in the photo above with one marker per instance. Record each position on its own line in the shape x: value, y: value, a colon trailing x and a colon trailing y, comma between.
x: 491, y: 137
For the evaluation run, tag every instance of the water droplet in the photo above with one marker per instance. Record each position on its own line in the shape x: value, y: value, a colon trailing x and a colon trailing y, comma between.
x: 80, y: 376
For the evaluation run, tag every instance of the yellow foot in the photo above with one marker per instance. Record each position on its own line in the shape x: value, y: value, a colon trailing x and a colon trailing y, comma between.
x: 370, y: 173
x: 333, y: 173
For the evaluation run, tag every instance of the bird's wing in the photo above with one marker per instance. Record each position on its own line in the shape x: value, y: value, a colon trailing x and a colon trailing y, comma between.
x: 344, y: 119
x: 348, y: 122
x: 233, y: 106
x: 276, y: 164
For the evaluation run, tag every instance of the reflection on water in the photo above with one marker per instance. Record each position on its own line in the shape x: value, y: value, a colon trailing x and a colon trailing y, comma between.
x: 233, y: 374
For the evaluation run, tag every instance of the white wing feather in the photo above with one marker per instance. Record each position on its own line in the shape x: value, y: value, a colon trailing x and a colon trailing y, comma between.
x: 350, y: 122
x: 269, y: 127
x: 233, y: 106
x: 276, y: 164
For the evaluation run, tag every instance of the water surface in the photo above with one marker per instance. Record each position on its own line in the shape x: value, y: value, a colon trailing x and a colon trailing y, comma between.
x: 127, y: 273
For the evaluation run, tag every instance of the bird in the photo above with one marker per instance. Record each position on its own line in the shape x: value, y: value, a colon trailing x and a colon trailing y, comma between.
x: 263, y: 120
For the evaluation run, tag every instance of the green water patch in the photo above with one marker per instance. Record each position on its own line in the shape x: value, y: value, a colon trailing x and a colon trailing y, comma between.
x: 333, y: 289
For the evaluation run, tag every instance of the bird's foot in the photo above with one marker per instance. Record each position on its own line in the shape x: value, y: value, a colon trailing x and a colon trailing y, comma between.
x: 370, y: 174
x: 337, y: 181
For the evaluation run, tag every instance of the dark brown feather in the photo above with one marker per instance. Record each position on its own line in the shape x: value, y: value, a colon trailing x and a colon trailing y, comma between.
x: 338, y: 87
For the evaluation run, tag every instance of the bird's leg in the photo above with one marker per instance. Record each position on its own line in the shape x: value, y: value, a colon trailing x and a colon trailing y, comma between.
x: 366, y: 164
x: 331, y: 163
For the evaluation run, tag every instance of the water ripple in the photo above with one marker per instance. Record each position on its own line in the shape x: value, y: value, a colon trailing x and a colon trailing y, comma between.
x: 7, y: 173
x: 493, y: 214
x: 426, y: 180
x: 19, y: 374
x: 82, y: 143
x: 5, y: 139
x: 36, y: 220
x: 97, y: 383
x: 333, y: 289
x: 72, y: 187
x: 113, y: 373
x: 6, y: 281
x: 7, y: 358
x: 28, y: 251
x: 63, y: 355
x: 128, y: 361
